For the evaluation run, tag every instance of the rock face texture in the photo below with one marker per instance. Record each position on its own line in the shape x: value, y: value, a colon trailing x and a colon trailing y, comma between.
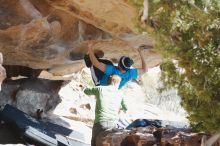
x: 150, y: 136
x: 33, y: 96
x: 52, y: 35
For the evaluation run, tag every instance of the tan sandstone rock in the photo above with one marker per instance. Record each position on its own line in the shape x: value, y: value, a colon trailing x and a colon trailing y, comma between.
x: 52, y: 35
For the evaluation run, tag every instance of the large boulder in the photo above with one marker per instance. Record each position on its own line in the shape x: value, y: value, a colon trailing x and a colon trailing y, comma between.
x: 32, y: 96
x: 53, y: 35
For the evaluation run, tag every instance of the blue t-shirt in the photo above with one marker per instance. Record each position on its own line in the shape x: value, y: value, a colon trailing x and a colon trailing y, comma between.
x: 125, y: 77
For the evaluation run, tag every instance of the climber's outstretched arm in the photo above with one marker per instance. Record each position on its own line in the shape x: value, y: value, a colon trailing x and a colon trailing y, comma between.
x: 144, y: 68
x: 94, y: 60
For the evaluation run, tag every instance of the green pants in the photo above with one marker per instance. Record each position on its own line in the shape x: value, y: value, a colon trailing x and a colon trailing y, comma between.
x: 100, y: 127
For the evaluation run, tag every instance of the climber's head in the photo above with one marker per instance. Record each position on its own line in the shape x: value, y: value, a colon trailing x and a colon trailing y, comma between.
x: 125, y: 63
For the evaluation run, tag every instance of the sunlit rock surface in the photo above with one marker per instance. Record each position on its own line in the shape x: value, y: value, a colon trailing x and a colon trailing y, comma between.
x: 52, y: 35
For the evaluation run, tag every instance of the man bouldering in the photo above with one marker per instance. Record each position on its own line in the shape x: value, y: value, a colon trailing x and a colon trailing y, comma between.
x: 124, y: 68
